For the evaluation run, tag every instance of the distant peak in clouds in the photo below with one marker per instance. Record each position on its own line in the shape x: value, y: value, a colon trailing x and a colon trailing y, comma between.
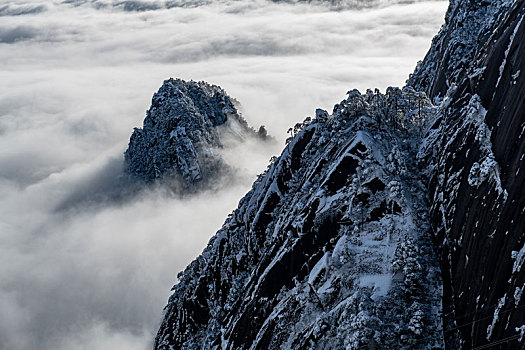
x: 13, y: 10
x: 139, y: 6
x: 185, y: 128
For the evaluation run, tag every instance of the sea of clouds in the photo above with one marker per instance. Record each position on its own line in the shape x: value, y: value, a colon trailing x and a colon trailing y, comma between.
x: 77, y: 76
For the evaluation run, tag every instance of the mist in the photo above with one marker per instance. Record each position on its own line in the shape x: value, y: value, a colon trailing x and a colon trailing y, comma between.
x: 77, y: 76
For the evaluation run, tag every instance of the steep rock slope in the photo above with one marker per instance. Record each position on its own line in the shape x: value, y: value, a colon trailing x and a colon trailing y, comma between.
x: 186, y: 125
x: 331, y: 247
x: 476, y: 157
x: 468, y: 24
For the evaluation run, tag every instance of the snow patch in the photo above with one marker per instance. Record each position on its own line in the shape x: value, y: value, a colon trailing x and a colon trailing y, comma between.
x: 379, y: 283
x: 519, y: 259
x: 321, y: 266
x: 495, y: 318
x: 521, y: 331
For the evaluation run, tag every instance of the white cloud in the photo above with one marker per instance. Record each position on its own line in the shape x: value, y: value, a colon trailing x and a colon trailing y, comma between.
x: 77, y: 77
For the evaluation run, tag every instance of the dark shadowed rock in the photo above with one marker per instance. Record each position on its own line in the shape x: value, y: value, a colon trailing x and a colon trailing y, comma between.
x: 478, y: 192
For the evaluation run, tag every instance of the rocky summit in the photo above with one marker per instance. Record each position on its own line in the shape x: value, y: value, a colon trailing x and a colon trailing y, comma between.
x: 184, y: 130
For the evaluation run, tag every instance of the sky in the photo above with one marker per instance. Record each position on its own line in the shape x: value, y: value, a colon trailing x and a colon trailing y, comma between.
x: 78, y: 75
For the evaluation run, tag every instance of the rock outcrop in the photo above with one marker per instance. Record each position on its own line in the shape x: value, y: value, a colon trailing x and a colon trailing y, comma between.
x: 184, y: 129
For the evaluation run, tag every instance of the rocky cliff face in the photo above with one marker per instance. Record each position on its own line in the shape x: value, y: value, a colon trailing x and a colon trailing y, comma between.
x: 184, y: 129
x: 477, y: 192
x: 331, y: 247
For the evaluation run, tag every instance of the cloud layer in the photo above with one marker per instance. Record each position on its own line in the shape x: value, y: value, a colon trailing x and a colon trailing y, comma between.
x: 77, y: 76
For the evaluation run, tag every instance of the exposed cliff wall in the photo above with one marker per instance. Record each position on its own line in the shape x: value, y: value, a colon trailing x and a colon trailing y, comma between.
x: 477, y: 161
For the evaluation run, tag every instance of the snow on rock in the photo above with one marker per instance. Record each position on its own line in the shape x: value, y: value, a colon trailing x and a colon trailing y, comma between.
x: 518, y: 292
x: 329, y: 249
x: 467, y: 27
x: 511, y: 42
x: 380, y: 284
x: 521, y: 331
x: 321, y: 266
x: 474, y: 117
x: 495, y: 318
x: 519, y: 259
x: 184, y: 129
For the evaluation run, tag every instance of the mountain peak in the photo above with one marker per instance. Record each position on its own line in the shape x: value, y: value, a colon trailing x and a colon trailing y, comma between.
x: 183, y: 133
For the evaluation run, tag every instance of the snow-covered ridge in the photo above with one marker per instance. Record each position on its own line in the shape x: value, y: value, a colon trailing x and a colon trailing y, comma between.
x: 330, y: 248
